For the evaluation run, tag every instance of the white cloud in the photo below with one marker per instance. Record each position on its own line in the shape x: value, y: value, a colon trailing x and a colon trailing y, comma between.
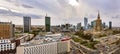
x: 73, y: 2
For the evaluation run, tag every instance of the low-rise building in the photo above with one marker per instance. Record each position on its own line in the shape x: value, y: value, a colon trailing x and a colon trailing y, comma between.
x: 49, y: 44
x: 49, y: 48
x: 63, y: 47
x: 6, y: 46
x: 24, y: 37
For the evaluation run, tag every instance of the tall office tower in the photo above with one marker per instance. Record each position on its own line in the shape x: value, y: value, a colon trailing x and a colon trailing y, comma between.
x: 93, y: 23
x: 79, y: 26
x: 85, y: 23
x: 89, y: 26
x: 47, y: 23
x: 6, y: 30
x: 110, y: 25
x: 104, y: 25
x: 13, y: 30
x: 27, y: 24
x: 98, y: 26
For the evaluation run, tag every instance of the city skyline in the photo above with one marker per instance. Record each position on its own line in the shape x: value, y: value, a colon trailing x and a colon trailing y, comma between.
x: 72, y: 11
x: 59, y: 27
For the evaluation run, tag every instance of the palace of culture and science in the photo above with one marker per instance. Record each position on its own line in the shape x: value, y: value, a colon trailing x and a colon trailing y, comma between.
x: 98, y: 24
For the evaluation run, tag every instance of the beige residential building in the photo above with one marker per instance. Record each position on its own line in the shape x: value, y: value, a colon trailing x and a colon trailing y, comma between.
x: 6, y: 30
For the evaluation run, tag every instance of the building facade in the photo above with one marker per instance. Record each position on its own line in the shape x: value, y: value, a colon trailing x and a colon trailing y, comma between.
x: 6, y: 30
x: 89, y: 26
x: 104, y: 25
x: 110, y: 25
x: 27, y: 24
x: 24, y: 37
x: 7, y: 47
x: 47, y: 23
x: 85, y: 23
x: 98, y: 26
x: 79, y: 26
x: 50, y: 48
x: 61, y: 47
x: 93, y: 23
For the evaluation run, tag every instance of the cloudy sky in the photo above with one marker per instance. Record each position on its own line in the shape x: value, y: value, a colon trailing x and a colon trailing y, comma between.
x: 60, y: 11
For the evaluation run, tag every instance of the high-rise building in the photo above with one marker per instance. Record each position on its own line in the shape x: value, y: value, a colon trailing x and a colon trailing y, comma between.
x: 89, y: 26
x: 47, y: 23
x: 110, y: 25
x: 85, y: 23
x: 27, y: 24
x: 98, y: 26
x: 79, y: 26
x: 104, y: 25
x: 93, y: 23
x: 6, y: 30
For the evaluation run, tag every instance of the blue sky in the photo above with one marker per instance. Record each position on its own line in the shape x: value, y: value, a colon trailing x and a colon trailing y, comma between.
x: 61, y: 11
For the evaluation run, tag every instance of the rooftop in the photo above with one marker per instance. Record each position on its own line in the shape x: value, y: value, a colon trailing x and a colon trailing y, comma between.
x: 52, y: 38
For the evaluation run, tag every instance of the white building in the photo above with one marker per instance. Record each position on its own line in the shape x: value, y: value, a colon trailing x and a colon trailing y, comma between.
x: 63, y: 47
x: 6, y: 45
x: 49, y: 44
x: 45, y: 48
x: 49, y: 48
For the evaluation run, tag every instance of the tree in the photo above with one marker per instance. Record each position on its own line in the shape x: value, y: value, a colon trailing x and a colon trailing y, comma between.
x: 81, y: 34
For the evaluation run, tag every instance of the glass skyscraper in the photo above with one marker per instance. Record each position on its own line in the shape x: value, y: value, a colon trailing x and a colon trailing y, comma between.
x: 27, y: 24
x: 79, y: 26
x: 47, y: 23
x: 110, y: 25
x: 85, y: 23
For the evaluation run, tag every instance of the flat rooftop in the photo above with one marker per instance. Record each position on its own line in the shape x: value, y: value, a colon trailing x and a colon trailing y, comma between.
x: 52, y: 38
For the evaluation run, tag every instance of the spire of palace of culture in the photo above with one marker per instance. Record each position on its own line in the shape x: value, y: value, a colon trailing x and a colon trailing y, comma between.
x: 98, y: 26
x: 98, y: 15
